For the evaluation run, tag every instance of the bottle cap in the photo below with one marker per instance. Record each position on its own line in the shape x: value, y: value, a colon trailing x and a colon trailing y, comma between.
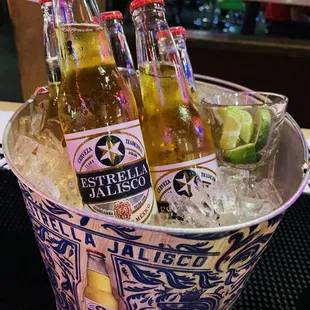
x: 44, y: 1
x: 95, y: 19
x: 95, y: 252
x: 137, y: 3
x: 178, y: 31
x: 112, y: 15
x: 162, y: 34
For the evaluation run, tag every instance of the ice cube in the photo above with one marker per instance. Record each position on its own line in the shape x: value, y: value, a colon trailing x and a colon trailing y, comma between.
x: 197, y: 220
x: 24, y: 124
x: 48, y: 138
x: 201, y: 194
x: 24, y: 151
x: 239, y: 178
x: 181, y: 205
x: 266, y: 209
x: 226, y: 175
x: 68, y: 189
x: 223, y: 198
x: 41, y: 158
x: 54, y: 126
x: 267, y: 190
x: 178, y: 224
x: 37, y: 122
x: 25, y: 146
x: 252, y: 193
x: 249, y: 208
x: 160, y: 219
x: 44, y: 184
x: 50, y: 160
x: 227, y: 219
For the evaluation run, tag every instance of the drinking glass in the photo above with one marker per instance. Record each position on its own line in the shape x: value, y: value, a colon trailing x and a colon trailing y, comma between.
x: 245, y: 126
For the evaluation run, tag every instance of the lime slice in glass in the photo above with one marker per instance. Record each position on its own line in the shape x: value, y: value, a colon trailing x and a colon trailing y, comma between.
x: 247, y: 126
x: 229, y: 140
x: 262, y: 121
x: 245, y: 154
x: 231, y: 130
x: 222, y: 112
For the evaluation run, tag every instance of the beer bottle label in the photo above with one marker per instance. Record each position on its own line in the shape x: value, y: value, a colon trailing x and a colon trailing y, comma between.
x: 91, y: 305
x: 181, y: 177
x: 112, y: 171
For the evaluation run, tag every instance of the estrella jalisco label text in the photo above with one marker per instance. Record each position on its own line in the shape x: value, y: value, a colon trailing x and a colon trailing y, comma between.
x: 112, y: 171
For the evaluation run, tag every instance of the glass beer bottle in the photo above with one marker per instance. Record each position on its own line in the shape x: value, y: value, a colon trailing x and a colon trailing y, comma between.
x: 179, y: 35
x: 121, y: 51
x: 178, y: 139
x: 51, y: 56
x: 98, y: 290
x: 99, y: 117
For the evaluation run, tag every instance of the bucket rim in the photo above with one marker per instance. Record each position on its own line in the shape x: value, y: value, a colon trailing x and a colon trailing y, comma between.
x: 169, y: 230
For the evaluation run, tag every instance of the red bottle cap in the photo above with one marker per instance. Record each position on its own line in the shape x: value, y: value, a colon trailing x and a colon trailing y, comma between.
x: 162, y: 34
x: 112, y: 15
x: 95, y: 19
x: 137, y: 3
x: 178, y: 31
x: 44, y: 1
x: 95, y: 252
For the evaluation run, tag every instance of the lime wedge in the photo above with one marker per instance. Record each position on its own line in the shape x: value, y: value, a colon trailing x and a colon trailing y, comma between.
x: 229, y: 140
x: 222, y: 112
x: 262, y: 120
x: 231, y: 130
x: 247, y: 126
x: 232, y: 121
x: 245, y: 154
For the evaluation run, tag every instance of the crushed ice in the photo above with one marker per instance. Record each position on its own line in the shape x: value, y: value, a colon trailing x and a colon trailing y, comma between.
x: 234, y: 198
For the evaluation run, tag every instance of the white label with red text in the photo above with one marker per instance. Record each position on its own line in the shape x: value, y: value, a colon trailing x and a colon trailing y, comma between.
x: 112, y: 171
x: 180, y: 178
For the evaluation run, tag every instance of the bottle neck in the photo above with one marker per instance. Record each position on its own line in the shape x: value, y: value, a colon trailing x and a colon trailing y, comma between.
x: 119, y: 44
x: 149, y: 20
x: 50, y: 46
x: 180, y: 42
x: 155, y: 44
x: 50, y: 42
x: 82, y: 39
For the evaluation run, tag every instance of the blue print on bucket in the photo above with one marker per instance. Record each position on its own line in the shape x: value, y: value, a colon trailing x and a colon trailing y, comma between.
x: 168, y: 288
x: 148, y: 270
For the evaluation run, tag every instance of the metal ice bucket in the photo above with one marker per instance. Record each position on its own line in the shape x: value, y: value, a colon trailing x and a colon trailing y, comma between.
x: 157, y: 267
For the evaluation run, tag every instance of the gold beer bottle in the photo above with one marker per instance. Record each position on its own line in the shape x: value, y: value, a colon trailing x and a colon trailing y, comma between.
x: 99, y: 117
x: 179, y: 36
x: 178, y: 139
x: 51, y: 56
x: 121, y: 51
x: 98, y: 290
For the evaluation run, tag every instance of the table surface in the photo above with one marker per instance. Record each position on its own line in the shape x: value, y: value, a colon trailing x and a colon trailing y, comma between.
x: 288, y: 2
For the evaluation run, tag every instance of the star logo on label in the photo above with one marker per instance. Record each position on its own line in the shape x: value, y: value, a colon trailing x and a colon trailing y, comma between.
x: 184, y: 181
x: 110, y: 150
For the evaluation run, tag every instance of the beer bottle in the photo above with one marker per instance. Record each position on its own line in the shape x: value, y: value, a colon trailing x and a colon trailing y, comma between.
x: 178, y: 139
x: 51, y: 56
x: 179, y: 35
x: 98, y: 290
x: 99, y: 117
x: 121, y: 51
